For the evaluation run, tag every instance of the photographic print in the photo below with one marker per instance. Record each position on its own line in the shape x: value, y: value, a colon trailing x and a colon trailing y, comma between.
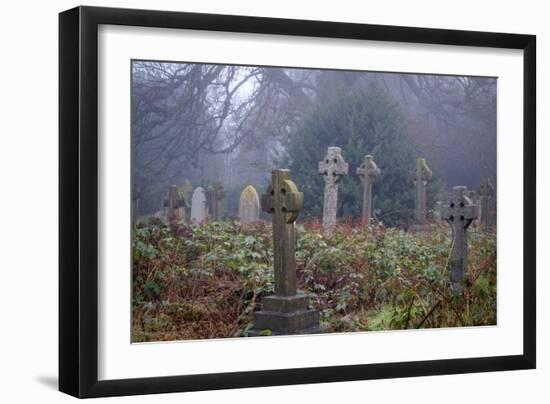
x: 284, y: 201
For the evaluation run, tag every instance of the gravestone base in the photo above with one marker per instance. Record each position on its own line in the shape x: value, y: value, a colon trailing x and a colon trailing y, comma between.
x: 286, y: 315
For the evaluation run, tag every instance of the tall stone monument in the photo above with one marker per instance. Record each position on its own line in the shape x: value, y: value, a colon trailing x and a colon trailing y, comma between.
x: 369, y: 174
x: 198, y: 206
x: 487, y: 204
x: 421, y: 175
x: 285, y: 312
x: 332, y: 168
x: 459, y: 213
x: 172, y: 205
x: 249, y: 205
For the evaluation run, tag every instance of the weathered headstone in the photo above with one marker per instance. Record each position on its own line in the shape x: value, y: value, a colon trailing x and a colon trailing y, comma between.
x: 249, y: 205
x: 332, y: 168
x: 198, y: 206
x: 421, y: 175
x: 217, y: 193
x: 459, y: 213
x: 487, y: 204
x: 285, y: 312
x: 136, y: 194
x: 369, y: 174
x: 172, y: 205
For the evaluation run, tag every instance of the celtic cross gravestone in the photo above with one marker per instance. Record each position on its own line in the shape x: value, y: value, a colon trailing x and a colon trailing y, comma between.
x: 421, y: 175
x: 369, y: 174
x: 486, y: 201
x: 332, y: 168
x: 459, y: 213
x: 285, y: 312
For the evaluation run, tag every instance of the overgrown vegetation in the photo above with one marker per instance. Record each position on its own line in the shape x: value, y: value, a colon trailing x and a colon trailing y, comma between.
x: 205, y: 282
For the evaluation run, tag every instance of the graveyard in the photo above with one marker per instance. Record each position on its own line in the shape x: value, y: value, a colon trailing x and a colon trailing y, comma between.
x: 210, y: 277
x: 271, y: 201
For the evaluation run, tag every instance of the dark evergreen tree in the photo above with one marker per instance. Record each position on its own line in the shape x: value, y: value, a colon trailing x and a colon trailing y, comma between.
x: 361, y: 122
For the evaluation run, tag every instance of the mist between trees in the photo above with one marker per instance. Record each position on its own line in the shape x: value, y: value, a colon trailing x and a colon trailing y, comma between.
x: 234, y: 124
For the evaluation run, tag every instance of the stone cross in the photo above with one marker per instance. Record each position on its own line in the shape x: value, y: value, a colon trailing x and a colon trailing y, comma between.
x: 198, y: 206
x: 421, y: 175
x: 486, y: 201
x: 369, y: 174
x: 249, y: 205
x: 217, y: 193
x: 136, y: 194
x: 285, y: 312
x: 459, y: 213
x: 332, y: 168
x: 172, y: 203
x: 283, y: 201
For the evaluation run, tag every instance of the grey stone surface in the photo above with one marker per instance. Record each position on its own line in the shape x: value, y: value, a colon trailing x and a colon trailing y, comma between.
x: 459, y: 213
x: 198, y: 206
x: 280, y: 323
x: 369, y: 174
x: 332, y: 168
x: 487, y: 204
x: 249, y: 205
x: 285, y: 312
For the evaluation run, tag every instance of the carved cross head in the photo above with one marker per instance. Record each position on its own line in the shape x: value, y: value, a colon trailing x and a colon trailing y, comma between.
x: 460, y: 210
x: 282, y: 198
x: 333, y: 166
x: 422, y: 172
x: 369, y: 171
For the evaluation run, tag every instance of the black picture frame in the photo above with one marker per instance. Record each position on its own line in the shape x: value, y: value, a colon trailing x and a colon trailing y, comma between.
x: 78, y: 201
